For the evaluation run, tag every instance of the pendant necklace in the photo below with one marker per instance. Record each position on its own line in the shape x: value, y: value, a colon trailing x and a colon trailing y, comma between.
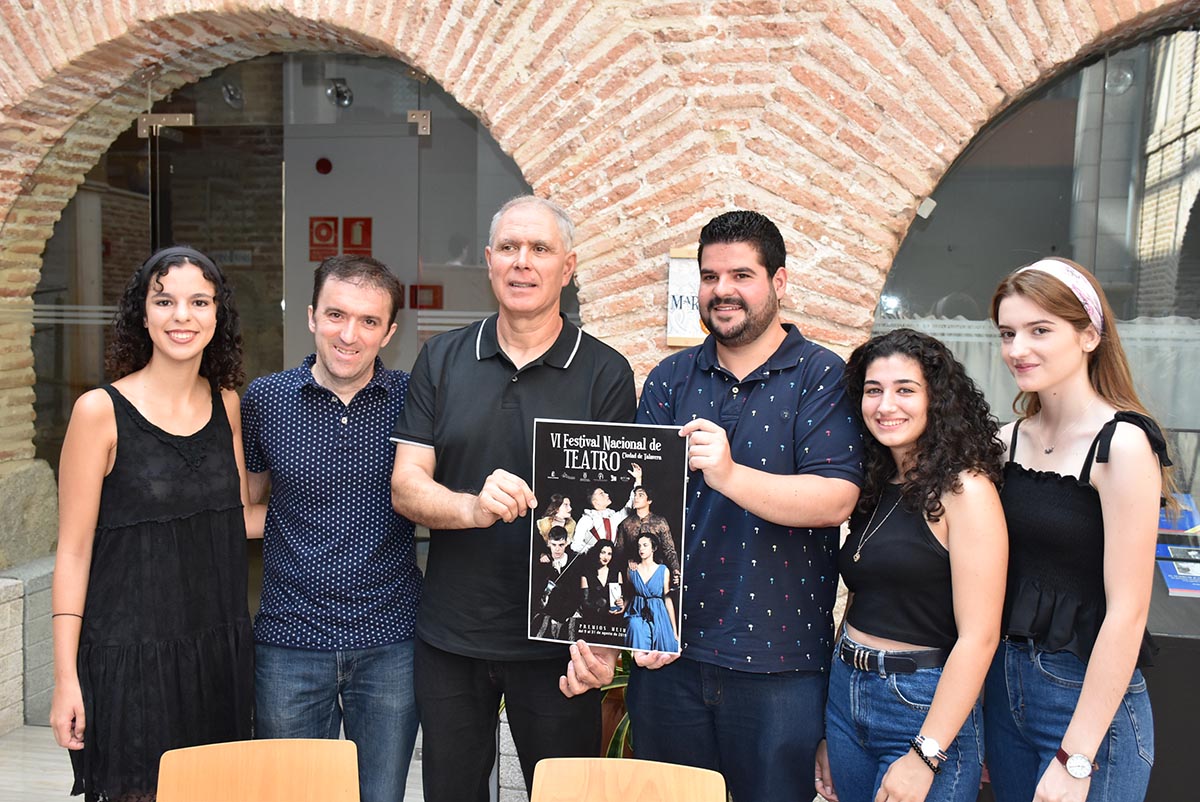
x: 862, y: 540
x: 1050, y: 449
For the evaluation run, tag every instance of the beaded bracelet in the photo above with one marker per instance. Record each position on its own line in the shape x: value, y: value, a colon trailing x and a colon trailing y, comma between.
x: 916, y: 747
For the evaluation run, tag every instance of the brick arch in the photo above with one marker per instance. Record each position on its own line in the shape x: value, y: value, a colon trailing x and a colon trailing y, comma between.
x: 74, y: 93
x: 832, y: 118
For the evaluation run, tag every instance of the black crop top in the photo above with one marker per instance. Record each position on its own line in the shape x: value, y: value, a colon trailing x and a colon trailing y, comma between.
x: 901, y: 583
x: 1055, y: 592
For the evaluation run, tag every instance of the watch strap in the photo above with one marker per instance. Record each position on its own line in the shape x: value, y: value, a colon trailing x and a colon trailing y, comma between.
x: 922, y: 741
x: 916, y: 747
x: 1063, y: 757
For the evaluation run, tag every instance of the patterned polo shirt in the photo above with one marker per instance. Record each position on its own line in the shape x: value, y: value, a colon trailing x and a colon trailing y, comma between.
x: 759, y: 596
x: 339, y: 568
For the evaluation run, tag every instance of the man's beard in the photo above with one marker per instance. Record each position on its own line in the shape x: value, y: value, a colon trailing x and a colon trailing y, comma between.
x: 752, y: 325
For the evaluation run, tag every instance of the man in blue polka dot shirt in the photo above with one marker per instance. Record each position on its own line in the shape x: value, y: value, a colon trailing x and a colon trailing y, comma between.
x: 334, y: 632
x: 463, y: 465
x: 774, y: 455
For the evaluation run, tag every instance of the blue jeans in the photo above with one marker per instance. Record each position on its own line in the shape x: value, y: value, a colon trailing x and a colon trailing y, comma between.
x: 1030, y: 697
x: 759, y: 730
x: 309, y: 694
x: 869, y: 722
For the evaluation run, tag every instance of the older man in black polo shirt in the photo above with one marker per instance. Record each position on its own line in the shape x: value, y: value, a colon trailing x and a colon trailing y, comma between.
x: 463, y: 464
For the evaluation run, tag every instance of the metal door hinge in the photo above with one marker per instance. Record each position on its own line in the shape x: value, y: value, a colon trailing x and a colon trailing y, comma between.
x: 422, y: 119
x: 146, y: 122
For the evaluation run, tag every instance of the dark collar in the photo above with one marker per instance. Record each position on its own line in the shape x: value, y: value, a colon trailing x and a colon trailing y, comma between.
x: 787, y: 355
x: 559, y: 355
x: 303, y: 376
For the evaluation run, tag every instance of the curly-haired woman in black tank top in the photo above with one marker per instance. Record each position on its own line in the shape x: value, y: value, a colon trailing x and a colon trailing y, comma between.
x: 1066, y: 711
x: 924, y: 562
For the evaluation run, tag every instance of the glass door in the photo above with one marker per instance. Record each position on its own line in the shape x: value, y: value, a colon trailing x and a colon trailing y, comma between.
x: 288, y: 159
x: 350, y: 172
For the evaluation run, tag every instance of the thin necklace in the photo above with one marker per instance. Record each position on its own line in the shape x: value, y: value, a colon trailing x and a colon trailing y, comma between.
x: 863, y: 538
x: 1050, y: 449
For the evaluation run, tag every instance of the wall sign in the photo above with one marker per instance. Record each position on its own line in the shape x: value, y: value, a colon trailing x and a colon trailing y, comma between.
x: 425, y: 296
x: 322, y: 238
x: 683, y: 305
x: 356, y: 236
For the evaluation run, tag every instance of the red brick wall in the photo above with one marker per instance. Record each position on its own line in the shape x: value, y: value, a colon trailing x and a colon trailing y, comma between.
x: 834, y: 118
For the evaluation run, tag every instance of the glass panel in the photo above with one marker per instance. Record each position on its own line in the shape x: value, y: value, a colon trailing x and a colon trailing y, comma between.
x: 342, y: 89
x: 334, y: 130
x: 219, y: 188
x: 465, y: 178
x: 104, y: 232
x: 1095, y: 169
x: 350, y: 172
x: 75, y: 300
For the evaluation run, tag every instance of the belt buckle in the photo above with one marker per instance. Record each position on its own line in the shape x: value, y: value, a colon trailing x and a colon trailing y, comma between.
x: 861, y: 658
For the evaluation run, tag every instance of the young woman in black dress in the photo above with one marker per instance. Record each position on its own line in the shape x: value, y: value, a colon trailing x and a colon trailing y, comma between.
x: 153, y: 648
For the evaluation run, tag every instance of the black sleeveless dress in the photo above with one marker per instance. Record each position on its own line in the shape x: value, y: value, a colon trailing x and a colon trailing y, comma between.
x: 166, y: 652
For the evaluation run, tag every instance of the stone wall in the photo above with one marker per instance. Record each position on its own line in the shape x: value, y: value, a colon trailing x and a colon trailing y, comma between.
x: 34, y: 637
x: 12, y: 708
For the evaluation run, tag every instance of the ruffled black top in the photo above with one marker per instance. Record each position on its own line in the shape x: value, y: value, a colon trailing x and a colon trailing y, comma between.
x: 1055, y: 592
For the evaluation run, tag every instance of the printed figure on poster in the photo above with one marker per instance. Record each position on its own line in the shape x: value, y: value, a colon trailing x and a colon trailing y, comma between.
x: 605, y: 544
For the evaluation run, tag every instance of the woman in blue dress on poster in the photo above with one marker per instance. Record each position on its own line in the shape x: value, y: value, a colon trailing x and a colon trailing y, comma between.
x: 650, y: 614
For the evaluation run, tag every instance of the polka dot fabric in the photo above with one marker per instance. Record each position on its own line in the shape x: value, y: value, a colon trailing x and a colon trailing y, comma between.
x: 758, y: 596
x: 339, y: 567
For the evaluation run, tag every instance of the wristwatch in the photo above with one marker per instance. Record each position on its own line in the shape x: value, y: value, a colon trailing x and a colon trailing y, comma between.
x: 1078, y: 766
x: 930, y: 748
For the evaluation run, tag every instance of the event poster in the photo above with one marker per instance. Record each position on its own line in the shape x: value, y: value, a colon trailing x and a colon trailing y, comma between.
x: 606, y: 543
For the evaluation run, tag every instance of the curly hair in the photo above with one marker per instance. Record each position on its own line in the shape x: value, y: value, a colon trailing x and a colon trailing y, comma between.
x: 960, y: 432
x: 131, y: 348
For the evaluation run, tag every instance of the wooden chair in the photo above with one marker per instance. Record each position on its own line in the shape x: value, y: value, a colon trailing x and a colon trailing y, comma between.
x: 295, y: 770
x: 601, y: 779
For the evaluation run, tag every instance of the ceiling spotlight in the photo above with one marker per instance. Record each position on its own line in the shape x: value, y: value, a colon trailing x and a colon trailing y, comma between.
x: 231, y: 93
x: 339, y: 93
x: 1118, y: 77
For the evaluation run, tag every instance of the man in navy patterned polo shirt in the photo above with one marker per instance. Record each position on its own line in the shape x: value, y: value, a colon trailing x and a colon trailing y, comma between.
x: 334, y: 632
x: 775, y: 458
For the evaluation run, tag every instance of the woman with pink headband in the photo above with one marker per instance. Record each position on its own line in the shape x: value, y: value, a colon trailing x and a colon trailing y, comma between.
x: 1066, y: 712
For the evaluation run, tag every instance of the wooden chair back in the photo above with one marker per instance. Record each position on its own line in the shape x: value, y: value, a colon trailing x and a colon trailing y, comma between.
x: 291, y: 769
x: 601, y: 779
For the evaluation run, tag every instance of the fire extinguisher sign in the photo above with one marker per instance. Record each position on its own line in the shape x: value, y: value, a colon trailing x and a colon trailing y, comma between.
x: 322, y: 238
x: 356, y: 236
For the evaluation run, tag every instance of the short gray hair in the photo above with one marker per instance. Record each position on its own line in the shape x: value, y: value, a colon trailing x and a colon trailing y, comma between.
x: 566, y: 229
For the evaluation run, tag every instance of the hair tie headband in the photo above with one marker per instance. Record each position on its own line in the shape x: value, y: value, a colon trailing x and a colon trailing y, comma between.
x: 1077, y: 283
x: 191, y: 254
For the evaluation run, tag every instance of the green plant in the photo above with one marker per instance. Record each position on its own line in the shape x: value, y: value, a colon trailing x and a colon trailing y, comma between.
x: 620, y: 742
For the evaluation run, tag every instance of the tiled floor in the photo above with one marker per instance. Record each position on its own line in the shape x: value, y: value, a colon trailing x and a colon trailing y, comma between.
x: 34, y: 769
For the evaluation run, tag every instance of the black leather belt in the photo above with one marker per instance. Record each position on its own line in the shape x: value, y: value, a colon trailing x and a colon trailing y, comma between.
x: 893, y: 662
